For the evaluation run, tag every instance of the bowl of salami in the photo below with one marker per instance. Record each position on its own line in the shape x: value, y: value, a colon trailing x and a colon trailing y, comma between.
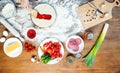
x: 74, y: 44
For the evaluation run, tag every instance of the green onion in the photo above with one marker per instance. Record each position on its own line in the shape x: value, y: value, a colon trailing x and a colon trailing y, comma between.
x: 89, y: 59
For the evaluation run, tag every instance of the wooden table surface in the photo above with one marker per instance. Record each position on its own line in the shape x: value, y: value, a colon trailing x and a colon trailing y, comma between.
x: 106, y: 61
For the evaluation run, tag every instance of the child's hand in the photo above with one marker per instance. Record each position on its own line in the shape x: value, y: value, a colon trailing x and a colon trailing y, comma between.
x: 24, y: 3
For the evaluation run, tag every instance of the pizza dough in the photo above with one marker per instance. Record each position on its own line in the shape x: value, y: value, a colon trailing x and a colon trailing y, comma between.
x: 44, y: 9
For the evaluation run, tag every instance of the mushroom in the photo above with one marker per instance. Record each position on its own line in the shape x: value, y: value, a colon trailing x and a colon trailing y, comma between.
x: 33, y: 58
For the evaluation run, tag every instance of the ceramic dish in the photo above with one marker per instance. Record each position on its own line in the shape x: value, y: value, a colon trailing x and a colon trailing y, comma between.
x: 80, y: 46
x: 26, y: 33
x: 44, y: 8
x: 17, y: 51
x: 56, y: 60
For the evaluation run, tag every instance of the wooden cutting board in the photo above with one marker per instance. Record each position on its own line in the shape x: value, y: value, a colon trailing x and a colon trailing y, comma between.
x: 90, y: 17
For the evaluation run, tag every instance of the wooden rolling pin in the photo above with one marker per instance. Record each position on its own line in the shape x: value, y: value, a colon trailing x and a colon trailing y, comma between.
x: 90, y: 17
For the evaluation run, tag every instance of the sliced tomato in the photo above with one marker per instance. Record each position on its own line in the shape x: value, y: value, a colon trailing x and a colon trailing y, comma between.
x: 49, y: 50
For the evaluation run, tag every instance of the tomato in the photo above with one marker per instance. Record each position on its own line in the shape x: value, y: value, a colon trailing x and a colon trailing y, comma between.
x: 50, y: 43
x: 46, y: 45
x: 30, y: 46
x: 53, y: 49
x: 60, y: 55
x: 49, y: 50
x: 26, y: 44
x: 53, y: 56
x: 57, y: 54
x: 52, y: 46
x: 33, y: 48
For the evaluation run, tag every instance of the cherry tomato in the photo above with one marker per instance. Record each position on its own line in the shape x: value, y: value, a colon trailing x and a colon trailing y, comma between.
x: 33, y: 48
x: 30, y: 46
x: 50, y: 43
x: 53, y: 56
x: 57, y: 54
x: 26, y: 44
x: 60, y: 55
x: 27, y: 49
x: 46, y: 45
x: 53, y: 49
x: 49, y: 50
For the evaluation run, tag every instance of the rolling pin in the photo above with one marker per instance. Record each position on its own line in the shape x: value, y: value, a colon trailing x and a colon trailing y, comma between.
x: 11, y: 29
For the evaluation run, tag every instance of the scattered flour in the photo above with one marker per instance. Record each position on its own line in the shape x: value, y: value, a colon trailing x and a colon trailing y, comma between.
x: 66, y: 24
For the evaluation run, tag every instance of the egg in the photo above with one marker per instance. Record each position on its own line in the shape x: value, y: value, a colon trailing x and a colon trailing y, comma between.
x: 5, y: 33
x: 2, y: 39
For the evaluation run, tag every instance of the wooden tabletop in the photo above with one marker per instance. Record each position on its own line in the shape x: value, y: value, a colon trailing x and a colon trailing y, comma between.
x: 106, y: 61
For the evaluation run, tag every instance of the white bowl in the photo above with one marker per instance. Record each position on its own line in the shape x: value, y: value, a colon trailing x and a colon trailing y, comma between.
x: 25, y: 33
x: 17, y: 51
x: 56, y: 60
x: 81, y: 46
x: 44, y: 8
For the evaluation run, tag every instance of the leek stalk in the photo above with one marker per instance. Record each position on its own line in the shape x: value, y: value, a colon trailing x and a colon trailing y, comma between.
x: 89, y: 59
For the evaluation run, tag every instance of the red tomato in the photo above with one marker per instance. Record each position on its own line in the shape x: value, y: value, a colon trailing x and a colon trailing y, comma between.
x: 30, y: 47
x: 26, y: 45
x: 27, y: 49
x: 53, y: 49
x: 33, y: 48
x: 53, y: 56
x: 52, y: 46
x: 60, y: 55
x: 57, y: 54
x: 46, y: 45
x: 50, y: 43
x: 49, y: 50
x: 59, y: 46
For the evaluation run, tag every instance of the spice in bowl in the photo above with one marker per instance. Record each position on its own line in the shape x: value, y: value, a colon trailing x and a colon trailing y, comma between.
x: 88, y: 36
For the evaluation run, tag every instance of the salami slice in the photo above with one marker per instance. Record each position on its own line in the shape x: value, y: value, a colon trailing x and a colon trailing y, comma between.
x: 74, y: 43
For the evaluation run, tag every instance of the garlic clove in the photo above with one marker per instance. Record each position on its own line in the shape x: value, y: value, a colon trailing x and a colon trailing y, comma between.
x: 38, y: 61
x: 106, y: 14
x: 33, y: 60
x: 103, y: 5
